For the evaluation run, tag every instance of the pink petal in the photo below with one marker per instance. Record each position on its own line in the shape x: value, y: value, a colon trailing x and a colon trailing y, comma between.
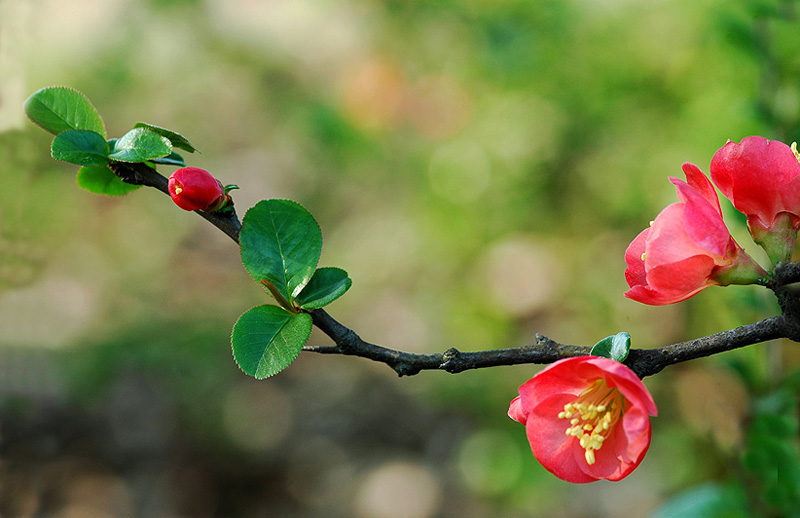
x: 560, y: 377
x: 759, y: 176
x: 702, y: 221
x: 669, y: 241
x: 630, y: 450
x: 635, y: 273
x: 647, y: 295
x: 608, y: 463
x: 700, y: 183
x: 687, y: 276
x: 634, y: 391
x: 549, y: 443
x: 516, y: 412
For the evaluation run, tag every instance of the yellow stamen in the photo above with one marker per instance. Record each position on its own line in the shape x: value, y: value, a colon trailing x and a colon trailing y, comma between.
x: 178, y: 189
x: 794, y: 150
x: 597, y: 409
x: 589, y: 456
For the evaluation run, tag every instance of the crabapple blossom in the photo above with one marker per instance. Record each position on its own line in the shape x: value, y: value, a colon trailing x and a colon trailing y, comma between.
x: 687, y: 248
x: 586, y: 418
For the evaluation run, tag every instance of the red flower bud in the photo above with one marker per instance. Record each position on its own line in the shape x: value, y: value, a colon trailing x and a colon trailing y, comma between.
x: 762, y: 179
x: 192, y: 188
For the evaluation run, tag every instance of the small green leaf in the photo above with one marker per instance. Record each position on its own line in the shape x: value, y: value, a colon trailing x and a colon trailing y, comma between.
x: 58, y: 109
x: 173, y: 159
x: 80, y: 147
x: 178, y: 140
x: 140, y: 145
x: 615, y: 347
x: 102, y: 180
x: 280, y: 243
x: 327, y: 285
x: 266, y: 339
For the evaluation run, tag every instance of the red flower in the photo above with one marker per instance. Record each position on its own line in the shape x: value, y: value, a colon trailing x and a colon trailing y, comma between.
x: 687, y: 248
x: 762, y: 179
x: 586, y: 418
x: 192, y: 188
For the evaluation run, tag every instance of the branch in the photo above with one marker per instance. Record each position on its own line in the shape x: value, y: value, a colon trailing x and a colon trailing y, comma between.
x: 644, y: 362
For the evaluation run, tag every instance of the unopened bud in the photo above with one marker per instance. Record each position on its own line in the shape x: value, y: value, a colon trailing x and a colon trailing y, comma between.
x: 192, y: 188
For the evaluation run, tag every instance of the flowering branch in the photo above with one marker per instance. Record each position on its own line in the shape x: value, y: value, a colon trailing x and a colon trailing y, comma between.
x: 644, y: 362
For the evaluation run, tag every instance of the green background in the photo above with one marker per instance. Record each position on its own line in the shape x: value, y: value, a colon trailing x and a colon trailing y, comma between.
x: 478, y: 167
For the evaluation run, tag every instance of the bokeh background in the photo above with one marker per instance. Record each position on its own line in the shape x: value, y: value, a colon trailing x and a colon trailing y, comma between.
x: 478, y: 167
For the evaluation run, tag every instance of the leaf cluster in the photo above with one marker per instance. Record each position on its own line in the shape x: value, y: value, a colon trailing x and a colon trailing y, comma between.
x: 81, y: 139
x: 281, y: 244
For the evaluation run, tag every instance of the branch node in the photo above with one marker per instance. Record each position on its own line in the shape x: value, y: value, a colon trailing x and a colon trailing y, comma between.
x: 545, y: 343
x: 451, y: 361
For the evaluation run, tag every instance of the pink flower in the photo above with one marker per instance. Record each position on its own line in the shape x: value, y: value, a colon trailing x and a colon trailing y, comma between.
x: 586, y: 418
x: 762, y: 179
x: 687, y: 248
x: 192, y: 188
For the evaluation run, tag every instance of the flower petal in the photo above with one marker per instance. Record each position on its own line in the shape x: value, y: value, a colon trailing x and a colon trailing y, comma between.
x: 702, y: 221
x: 702, y: 185
x: 687, y: 276
x: 760, y: 176
x: 549, y: 443
x: 516, y: 412
x: 635, y: 273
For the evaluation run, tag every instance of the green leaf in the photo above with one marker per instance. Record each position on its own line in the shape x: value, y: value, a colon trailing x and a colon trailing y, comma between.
x: 709, y: 500
x: 280, y: 243
x: 326, y: 285
x: 173, y: 159
x: 102, y: 180
x: 266, y: 339
x: 58, y: 109
x: 178, y: 140
x: 140, y: 145
x: 80, y: 147
x: 615, y: 347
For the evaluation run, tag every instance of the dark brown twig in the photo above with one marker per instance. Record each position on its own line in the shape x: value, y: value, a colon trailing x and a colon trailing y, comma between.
x: 644, y: 362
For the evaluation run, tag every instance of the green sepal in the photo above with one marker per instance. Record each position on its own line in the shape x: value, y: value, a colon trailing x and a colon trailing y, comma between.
x: 325, y: 286
x: 615, y: 347
x: 266, y: 339
x: 81, y: 147
x: 102, y: 180
x: 140, y: 145
x: 280, y: 243
x: 177, y: 140
x: 58, y: 109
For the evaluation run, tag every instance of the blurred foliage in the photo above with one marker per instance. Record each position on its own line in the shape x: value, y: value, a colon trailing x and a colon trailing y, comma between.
x: 477, y: 167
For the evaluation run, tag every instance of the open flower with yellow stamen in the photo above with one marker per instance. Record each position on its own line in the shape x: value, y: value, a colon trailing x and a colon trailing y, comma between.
x: 586, y: 418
